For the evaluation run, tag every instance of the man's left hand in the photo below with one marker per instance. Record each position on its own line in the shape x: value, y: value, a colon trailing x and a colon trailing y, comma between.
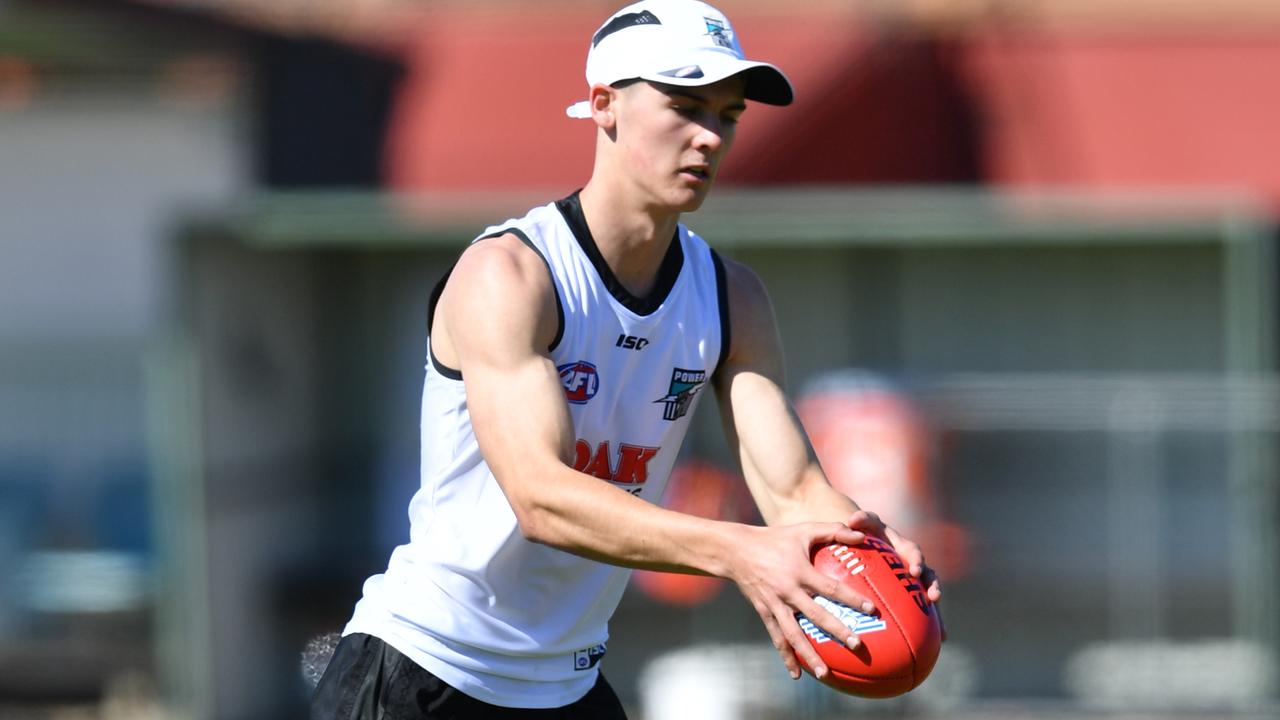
x: 871, y: 524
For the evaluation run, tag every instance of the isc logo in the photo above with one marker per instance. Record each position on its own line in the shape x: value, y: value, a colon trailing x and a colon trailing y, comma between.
x: 631, y: 342
x: 580, y: 381
x: 588, y: 658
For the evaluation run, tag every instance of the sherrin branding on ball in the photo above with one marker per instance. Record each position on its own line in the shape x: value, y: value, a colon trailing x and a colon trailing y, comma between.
x: 899, y: 645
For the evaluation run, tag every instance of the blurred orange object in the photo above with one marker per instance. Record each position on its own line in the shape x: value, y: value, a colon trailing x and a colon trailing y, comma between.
x: 875, y: 447
x: 698, y: 488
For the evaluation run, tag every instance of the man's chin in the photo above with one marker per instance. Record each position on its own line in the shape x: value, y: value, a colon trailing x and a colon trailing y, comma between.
x: 689, y: 200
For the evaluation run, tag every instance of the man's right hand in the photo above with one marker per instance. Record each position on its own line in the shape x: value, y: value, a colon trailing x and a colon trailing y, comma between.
x: 773, y: 568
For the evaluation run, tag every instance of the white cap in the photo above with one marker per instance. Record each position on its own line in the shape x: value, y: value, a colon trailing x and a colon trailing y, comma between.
x: 676, y: 42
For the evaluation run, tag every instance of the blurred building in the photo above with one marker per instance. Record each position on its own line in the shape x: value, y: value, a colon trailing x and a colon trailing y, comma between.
x: 118, y: 121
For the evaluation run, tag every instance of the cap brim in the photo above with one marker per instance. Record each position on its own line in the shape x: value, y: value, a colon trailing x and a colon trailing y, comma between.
x: 767, y: 84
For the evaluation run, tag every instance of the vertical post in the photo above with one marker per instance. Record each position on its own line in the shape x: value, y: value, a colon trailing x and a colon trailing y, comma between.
x: 1249, y: 291
x: 1136, y: 594
x: 182, y: 613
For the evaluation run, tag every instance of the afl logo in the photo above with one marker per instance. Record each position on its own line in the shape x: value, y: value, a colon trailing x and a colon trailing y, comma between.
x: 580, y: 381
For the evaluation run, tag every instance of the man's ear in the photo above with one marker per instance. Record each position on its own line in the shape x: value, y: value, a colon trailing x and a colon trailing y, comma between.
x: 604, y: 100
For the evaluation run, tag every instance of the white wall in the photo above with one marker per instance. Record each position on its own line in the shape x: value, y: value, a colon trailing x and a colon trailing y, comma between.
x: 90, y: 184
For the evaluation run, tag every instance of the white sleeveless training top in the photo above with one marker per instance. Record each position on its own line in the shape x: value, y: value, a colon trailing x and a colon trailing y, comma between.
x: 500, y: 618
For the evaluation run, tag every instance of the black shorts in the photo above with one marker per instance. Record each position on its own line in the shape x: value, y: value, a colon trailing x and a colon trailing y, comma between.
x: 370, y: 680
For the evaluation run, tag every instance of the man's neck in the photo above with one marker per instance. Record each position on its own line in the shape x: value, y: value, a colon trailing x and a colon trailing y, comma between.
x: 631, y: 238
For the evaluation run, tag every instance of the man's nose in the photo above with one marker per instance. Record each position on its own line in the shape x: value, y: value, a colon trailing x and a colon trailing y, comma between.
x: 710, y: 135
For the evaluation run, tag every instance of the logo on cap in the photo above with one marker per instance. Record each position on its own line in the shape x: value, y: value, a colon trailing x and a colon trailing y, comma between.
x: 719, y: 33
x: 688, y: 71
x: 623, y: 22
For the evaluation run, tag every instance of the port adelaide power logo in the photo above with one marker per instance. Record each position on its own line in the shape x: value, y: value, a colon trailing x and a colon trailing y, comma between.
x: 719, y: 32
x: 684, y: 385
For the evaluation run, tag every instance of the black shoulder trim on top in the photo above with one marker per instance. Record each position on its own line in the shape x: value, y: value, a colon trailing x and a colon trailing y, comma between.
x: 722, y: 298
x: 668, y: 272
x: 440, y: 367
x: 454, y: 374
x: 555, y: 342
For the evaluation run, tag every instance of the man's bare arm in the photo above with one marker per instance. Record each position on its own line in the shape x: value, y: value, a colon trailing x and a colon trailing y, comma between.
x: 777, y: 461
x: 779, y: 465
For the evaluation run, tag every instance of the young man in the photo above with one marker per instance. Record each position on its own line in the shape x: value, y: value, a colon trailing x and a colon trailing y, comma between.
x: 568, y: 350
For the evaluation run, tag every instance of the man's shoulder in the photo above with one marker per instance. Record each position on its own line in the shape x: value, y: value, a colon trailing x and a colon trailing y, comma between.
x: 745, y: 289
x: 504, y: 282
x: 532, y: 223
x: 743, y: 281
x: 750, y: 308
x: 502, y: 262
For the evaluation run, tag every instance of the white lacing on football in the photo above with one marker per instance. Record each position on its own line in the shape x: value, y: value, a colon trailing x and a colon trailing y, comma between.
x: 850, y: 559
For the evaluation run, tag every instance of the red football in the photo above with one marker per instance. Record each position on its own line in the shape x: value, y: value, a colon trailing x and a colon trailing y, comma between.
x: 900, y: 643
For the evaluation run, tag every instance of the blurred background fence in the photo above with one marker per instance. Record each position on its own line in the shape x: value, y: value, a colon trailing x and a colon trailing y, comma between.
x: 1093, y: 374
x: 1045, y: 231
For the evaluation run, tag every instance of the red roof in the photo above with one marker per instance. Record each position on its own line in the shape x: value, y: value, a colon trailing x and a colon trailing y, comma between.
x: 482, y: 105
x: 1088, y: 109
